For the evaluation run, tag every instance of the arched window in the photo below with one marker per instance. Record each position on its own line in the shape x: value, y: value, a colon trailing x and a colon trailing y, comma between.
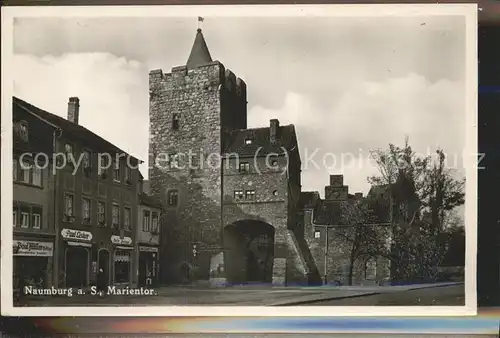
x: 371, y: 269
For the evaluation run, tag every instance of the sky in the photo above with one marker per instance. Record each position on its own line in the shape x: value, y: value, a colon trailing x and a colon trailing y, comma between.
x: 348, y: 84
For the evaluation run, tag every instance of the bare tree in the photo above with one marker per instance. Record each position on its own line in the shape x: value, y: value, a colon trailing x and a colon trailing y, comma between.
x: 364, y: 239
x: 423, y: 192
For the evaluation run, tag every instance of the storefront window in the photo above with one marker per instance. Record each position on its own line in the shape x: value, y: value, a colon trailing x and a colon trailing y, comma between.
x: 122, y: 266
x: 30, y: 271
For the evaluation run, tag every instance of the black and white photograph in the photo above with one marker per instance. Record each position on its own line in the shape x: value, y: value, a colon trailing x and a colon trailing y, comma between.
x: 224, y: 160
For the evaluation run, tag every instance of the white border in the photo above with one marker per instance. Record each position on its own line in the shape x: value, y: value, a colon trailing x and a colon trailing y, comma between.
x: 469, y: 11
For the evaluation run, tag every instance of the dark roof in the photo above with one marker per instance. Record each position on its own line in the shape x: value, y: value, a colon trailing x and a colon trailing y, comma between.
x: 329, y: 212
x: 199, y: 52
x: 309, y: 199
x: 378, y: 190
x: 260, y: 137
x: 150, y: 201
x: 71, y: 128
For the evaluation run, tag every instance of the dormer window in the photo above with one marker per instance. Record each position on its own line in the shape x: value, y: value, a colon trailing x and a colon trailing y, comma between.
x: 175, y: 122
x: 248, y: 141
x: 23, y: 130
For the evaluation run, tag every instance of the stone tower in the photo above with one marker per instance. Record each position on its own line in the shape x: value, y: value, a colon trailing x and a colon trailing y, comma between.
x: 192, y: 109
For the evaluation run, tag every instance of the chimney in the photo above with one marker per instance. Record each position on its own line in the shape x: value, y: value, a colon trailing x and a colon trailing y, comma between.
x: 336, y: 180
x: 73, y: 109
x: 273, y: 130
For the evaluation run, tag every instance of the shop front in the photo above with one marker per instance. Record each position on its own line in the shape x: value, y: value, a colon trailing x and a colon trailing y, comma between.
x: 32, y: 263
x: 122, y: 260
x: 76, y: 248
x: 148, y: 265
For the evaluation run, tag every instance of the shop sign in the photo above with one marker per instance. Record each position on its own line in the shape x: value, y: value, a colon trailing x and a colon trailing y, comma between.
x: 76, y: 234
x: 32, y: 248
x: 121, y: 240
x: 148, y: 249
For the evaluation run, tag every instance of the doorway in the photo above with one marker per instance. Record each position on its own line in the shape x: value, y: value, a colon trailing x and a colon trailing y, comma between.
x: 77, y: 266
x: 103, y: 263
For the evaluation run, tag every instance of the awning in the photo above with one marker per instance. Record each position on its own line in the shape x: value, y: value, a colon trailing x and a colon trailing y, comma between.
x: 122, y: 257
x: 88, y: 245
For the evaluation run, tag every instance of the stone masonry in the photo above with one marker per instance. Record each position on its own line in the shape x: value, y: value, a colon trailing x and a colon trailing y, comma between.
x: 318, y: 214
x: 197, y: 116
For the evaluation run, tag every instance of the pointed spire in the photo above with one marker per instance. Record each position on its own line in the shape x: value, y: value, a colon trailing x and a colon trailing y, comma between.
x: 199, y: 53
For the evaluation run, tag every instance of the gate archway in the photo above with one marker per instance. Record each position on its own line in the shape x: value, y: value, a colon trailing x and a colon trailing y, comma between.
x: 249, y: 252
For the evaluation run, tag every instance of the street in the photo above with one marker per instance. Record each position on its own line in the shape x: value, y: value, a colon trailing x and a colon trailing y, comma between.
x: 451, y: 294
x: 447, y: 296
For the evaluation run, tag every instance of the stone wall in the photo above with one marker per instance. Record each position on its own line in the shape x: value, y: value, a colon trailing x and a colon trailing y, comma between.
x: 339, y: 255
x: 194, y: 97
x: 292, y: 261
x: 207, y: 101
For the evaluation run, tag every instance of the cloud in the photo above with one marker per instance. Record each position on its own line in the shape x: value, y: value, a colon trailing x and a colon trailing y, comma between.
x: 369, y: 115
x: 113, y: 93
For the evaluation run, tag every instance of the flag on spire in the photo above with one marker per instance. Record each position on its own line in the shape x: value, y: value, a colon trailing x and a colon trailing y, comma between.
x: 200, y: 19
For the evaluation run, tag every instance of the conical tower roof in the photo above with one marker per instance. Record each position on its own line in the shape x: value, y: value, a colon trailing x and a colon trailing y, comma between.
x: 199, y: 53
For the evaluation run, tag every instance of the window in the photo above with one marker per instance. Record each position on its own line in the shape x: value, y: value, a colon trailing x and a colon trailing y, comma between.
x: 37, y: 221
x: 37, y: 176
x: 116, y: 172
x: 25, y: 172
x: 175, y: 122
x: 101, y: 213
x: 25, y: 219
x: 173, y: 198
x: 14, y: 216
x: 68, y: 207
x: 87, y: 163
x: 68, y: 149
x: 128, y: 175
x: 145, y: 221
x: 173, y: 161
x: 244, y: 167
x: 23, y: 130
x: 116, y: 216
x: 126, y: 218
x: 102, y: 167
x: 248, y: 141
x: 86, y: 210
x: 122, y: 266
x: 238, y: 195
x: 154, y: 223
x: 250, y: 195
x: 14, y: 169
x: 317, y: 234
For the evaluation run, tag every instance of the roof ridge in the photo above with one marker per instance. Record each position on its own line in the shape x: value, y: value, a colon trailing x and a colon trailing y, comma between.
x: 59, y: 121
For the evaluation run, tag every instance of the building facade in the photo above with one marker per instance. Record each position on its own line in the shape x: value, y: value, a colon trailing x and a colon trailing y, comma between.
x: 33, y: 200
x: 348, y: 248
x: 225, y: 221
x: 148, y: 240
x: 96, y: 201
